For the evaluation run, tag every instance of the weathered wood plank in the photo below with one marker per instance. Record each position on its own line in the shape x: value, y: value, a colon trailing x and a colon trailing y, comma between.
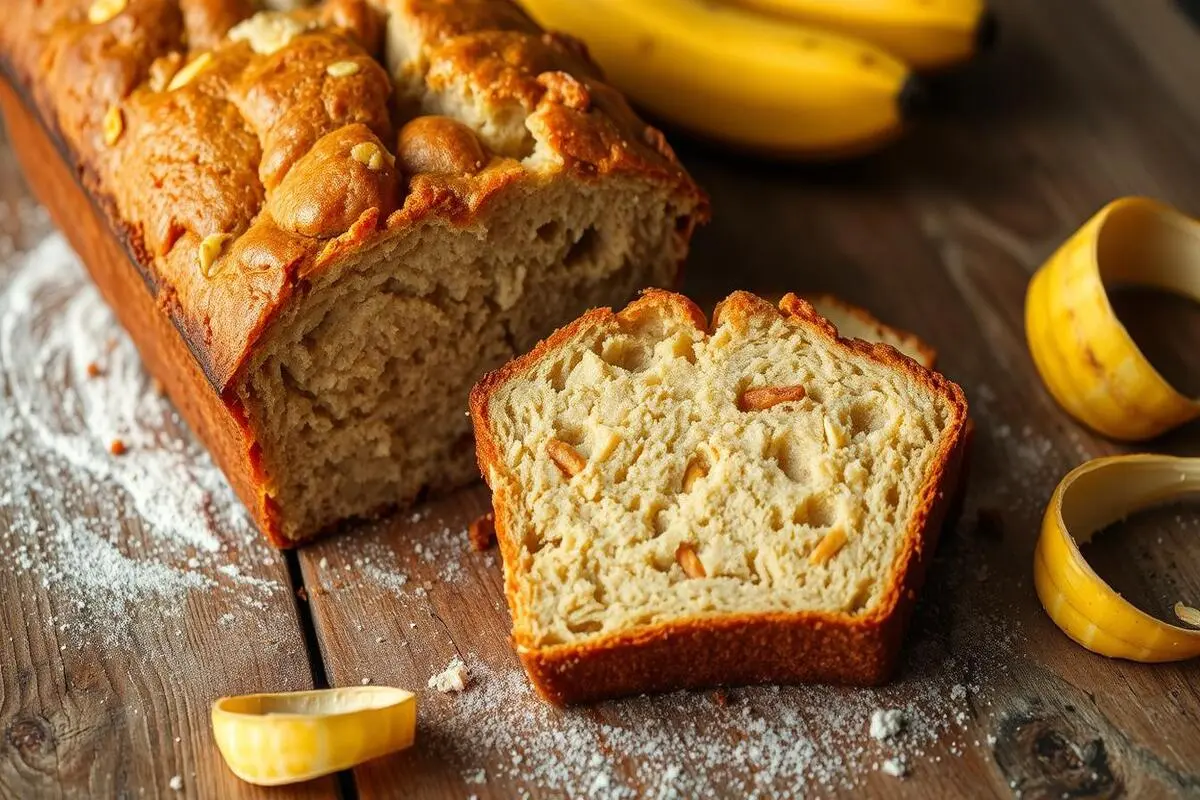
x: 133, y: 589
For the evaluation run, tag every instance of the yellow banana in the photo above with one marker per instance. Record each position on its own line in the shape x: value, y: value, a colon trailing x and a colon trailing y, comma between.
x: 929, y: 34
x: 738, y: 77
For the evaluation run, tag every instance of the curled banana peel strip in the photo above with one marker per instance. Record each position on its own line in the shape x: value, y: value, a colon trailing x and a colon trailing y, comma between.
x: 1078, y: 600
x: 274, y: 739
x: 1086, y: 357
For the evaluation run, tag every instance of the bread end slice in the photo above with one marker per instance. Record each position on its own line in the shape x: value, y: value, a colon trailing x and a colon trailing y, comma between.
x: 682, y: 505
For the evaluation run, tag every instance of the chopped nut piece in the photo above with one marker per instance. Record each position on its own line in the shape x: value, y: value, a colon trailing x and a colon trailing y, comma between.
x: 114, y: 125
x: 117, y: 448
x: 189, y: 71
x: 101, y: 11
x: 833, y: 434
x: 162, y: 69
x: 342, y: 69
x: 566, y: 457
x: 764, y: 397
x: 828, y: 547
x: 372, y: 155
x: 482, y: 532
x: 267, y: 31
x: 686, y: 556
x: 1188, y: 615
x: 697, y: 468
x: 210, y: 252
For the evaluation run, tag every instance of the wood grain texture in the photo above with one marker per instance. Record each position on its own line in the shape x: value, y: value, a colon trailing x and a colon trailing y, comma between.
x: 1081, y: 102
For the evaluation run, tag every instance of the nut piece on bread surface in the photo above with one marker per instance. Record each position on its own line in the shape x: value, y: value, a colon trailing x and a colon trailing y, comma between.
x: 407, y: 193
x: 718, y: 543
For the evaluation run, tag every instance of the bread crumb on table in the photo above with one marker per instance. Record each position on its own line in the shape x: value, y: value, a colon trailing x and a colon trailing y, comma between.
x: 176, y: 782
x: 886, y: 723
x: 453, y: 678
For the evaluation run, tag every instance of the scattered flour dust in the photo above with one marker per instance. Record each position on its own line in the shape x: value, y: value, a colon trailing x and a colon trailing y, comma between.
x: 759, y: 742
x: 111, y: 533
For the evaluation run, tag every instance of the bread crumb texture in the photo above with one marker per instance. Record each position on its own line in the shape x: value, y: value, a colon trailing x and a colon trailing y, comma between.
x: 692, y: 502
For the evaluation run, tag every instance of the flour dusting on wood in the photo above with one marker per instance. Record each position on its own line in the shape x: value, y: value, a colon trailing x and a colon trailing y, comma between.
x: 112, y: 533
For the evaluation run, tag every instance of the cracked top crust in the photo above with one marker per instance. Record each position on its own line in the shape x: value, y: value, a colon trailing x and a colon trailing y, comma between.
x: 243, y: 149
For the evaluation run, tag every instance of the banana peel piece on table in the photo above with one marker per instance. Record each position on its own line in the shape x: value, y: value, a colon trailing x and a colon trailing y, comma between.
x: 1079, y: 601
x: 1086, y: 357
x: 276, y: 739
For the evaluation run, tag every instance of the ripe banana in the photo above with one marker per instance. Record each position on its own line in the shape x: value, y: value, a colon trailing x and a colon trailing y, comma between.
x: 929, y: 34
x: 736, y: 76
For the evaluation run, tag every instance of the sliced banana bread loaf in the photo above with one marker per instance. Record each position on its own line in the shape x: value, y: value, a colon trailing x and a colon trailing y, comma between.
x: 682, y: 505
x: 347, y: 212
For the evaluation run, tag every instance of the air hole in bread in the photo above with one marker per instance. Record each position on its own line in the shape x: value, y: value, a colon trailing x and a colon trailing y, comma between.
x: 775, y: 519
x: 820, y: 511
x: 792, y: 457
x: 891, y: 497
x: 549, y: 232
x: 683, y: 223
x: 573, y: 435
x: 658, y: 519
x: 585, y: 248
x: 625, y: 352
x: 585, y: 626
x: 867, y: 417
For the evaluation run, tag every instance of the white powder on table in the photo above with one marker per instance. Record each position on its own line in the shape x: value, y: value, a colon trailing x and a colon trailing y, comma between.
x: 111, y: 535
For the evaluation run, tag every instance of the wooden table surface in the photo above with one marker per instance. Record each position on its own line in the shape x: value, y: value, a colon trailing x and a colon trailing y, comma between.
x: 133, y: 592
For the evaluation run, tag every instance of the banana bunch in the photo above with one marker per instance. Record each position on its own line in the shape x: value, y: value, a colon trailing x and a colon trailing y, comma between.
x: 788, y: 77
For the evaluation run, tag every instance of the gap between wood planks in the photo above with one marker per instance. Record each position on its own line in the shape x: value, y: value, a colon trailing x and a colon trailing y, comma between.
x: 346, y: 787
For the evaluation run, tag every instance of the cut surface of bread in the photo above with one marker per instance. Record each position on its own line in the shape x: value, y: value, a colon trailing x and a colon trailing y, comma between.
x: 349, y: 210
x: 679, y: 505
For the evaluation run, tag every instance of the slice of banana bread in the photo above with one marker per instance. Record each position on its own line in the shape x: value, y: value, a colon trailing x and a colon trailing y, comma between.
x: 680, y: 505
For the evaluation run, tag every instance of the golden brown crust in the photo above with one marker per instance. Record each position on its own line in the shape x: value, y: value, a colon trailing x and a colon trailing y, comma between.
x: 235, y: 175
x: 742, y: 649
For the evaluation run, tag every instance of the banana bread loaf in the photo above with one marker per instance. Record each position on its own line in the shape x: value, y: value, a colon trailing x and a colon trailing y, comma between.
x: 681, y: 504
x: 349, y: 211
